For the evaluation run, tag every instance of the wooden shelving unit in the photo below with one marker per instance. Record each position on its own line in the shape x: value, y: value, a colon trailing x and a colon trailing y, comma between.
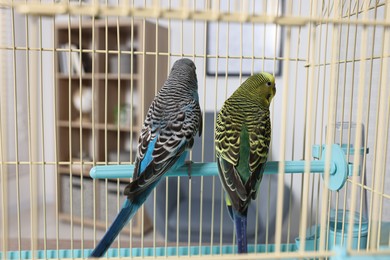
x: 101, y: 48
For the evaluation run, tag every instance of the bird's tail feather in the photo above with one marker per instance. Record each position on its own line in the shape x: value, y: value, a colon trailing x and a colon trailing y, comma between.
x: 129, y: 208
x: 127, y: 212
x: 240, y: 224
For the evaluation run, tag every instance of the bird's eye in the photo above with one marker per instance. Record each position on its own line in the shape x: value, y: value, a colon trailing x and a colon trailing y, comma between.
x: 269, y: 83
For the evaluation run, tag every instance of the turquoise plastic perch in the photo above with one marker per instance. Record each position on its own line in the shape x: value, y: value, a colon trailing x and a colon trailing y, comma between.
x: 340, y: 169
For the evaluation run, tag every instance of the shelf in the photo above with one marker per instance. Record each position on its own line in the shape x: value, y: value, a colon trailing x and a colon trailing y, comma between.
x: 96, y: 126
x: 75, y: 124
x: 114, y: 76
x: 100, y: 76
x: 63, y: 76
x: 110, y: 89
x: 114, y: 127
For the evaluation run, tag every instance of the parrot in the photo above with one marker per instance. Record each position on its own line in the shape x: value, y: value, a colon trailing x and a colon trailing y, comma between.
x: 242, y: 138
x: 172, y: 121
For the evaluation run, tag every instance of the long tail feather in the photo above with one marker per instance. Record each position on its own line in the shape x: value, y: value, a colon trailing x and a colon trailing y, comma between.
x: 127, y: 212
x: 240, y: 224
x: 129, y: 208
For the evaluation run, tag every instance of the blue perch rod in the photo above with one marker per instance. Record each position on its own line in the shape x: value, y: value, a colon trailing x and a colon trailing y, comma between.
x: 205, y: 169
x: 340, y: 169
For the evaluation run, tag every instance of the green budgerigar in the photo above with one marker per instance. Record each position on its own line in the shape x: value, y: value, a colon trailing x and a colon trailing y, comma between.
x: 242, y: 137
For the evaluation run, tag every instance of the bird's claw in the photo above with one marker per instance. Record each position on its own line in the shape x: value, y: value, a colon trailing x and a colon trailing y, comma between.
x: 189, y: 167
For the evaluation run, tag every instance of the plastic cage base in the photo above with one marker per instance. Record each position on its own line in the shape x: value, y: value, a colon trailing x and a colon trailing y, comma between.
x: 146, y: 252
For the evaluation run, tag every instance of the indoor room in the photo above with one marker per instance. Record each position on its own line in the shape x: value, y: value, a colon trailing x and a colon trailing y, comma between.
x: 194, y: 128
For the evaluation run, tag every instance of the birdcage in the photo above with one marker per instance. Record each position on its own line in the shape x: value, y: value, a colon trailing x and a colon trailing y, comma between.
x: 77, y: 78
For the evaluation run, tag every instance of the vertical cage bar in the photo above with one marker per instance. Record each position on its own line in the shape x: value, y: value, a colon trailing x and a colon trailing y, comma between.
x: 70, y: 135
x: 283, y: 132
x: 142, y: 215
x: 3, y: 130
x: 106, y: 113
x: 326, y: 13
x: 359, y: 120
x: 118, y: 123
x: 80, y: 61
x: 56, y: 136
x: 293, y: 126
x: 206, y: 5
x: 216, y: 8
x: 256, y: 201
x: 363, y: 191
x: 181, y: 53
x: 16, y: 139
x: 343, y: 109
x: 265, y: 8
x: 93, y: 116
x: 167, y: 183
x: 156, y: 5
x: 132, y: 61
x: 42, y: 140
x: 32, y: 122
x: 308, y: 129
x: 325, y: 202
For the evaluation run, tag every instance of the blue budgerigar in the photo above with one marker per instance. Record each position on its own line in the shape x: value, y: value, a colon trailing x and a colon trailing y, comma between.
x: 173, y: 119
x: 242, y: 137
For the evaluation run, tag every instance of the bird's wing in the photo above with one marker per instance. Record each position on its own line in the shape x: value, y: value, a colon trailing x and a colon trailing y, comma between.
x: 228, y: 142
x: 161, y: 147
x: 259, y: 144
